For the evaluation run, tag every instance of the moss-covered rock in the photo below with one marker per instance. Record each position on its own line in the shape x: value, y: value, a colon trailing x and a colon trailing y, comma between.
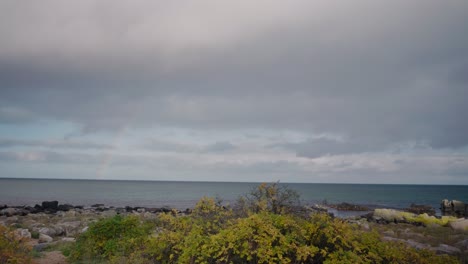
x: 396, y: 216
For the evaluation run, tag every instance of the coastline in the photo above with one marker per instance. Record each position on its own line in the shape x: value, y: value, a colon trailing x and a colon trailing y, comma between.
x: 50, y: 225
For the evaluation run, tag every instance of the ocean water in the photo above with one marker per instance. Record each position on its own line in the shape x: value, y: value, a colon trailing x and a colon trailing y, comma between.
x: 183, y: 195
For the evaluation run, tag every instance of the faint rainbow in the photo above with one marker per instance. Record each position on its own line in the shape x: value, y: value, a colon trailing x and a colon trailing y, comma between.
x: 106, y: 161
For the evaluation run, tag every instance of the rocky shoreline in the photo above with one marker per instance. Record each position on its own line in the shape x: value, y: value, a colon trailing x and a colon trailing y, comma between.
x: 53, y: 223
x: 52, y: 207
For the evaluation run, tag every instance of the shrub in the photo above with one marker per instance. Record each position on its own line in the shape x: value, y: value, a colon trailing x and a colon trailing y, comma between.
x: 267, y: 233
x: 111, y: 238
x: 35, y: 234
x: 269, y: 197
x: 271, y: 238
x: 13, y: 249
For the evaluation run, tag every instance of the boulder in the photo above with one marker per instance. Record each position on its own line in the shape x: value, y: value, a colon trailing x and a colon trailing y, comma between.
x: 31, y: 210
x: 48, y: 231
x: 10, y: 220
x: 445, y: 249
x: 71, y: 213
x: 458, y: 206
x: 50, y: 206
x: 70, y: 228
x: 65, y: 207
x: 10, y: 212
x: 462, y: 244
x: 388, y: 215
x: 421, y: 209
x: 45, y: 238
x: 23, y: 233
x: 454, y: 207
x: 459, y: 225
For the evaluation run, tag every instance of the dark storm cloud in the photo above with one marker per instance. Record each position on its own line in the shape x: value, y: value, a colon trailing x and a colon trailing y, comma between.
x: 377, y: 73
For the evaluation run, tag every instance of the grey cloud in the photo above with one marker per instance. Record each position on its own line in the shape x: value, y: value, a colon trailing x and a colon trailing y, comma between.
x: 220, y: 147
x: 62, y: 144
x: 50, y: 157
x: 180, y: 147
x: 379, y: 73
x: 166, y: 146
x: 13, y: 115
x: 319, y: 147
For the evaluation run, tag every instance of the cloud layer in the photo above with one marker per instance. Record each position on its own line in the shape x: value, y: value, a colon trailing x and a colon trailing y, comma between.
x: 350, y: 78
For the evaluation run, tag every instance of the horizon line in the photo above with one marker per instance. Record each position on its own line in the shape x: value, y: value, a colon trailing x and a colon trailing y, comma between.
x: 218, y: 181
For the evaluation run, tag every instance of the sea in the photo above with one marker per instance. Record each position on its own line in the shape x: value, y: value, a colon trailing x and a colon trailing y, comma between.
x: 182, y: 195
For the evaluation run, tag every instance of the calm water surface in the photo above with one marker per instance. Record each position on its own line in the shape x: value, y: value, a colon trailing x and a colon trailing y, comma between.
x: 185, y: 194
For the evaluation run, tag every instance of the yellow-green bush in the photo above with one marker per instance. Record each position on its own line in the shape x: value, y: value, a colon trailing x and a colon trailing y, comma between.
x: 271, y: 238
x: 111, y: 238
x: 13, y: 249
x: 268, y: 234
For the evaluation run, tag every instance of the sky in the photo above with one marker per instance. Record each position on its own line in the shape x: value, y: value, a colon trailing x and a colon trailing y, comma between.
x: 327, y: 91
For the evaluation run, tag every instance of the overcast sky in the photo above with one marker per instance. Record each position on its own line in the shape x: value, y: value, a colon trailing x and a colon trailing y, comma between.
x: 297, y: 91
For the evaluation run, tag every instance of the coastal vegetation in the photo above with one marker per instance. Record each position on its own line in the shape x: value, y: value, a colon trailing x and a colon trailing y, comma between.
x: 266, y: 226
x: 13, y: 248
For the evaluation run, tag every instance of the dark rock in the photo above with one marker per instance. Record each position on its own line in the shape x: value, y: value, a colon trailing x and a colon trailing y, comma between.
x: 65, y: 207
x: 349, y: 207
x: 120, y: 210
x: 50, y: 206
x: 12, y: 211
x: 31, y: 210
x: 421, y: 209
x: 3, y: 206
x: 152, y: 210
x: 101, y: 209
x: 79, y: 206
x: 97, y: 205
x: 369, y: 216
x: 164, y: 209
x: 128, y: 208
